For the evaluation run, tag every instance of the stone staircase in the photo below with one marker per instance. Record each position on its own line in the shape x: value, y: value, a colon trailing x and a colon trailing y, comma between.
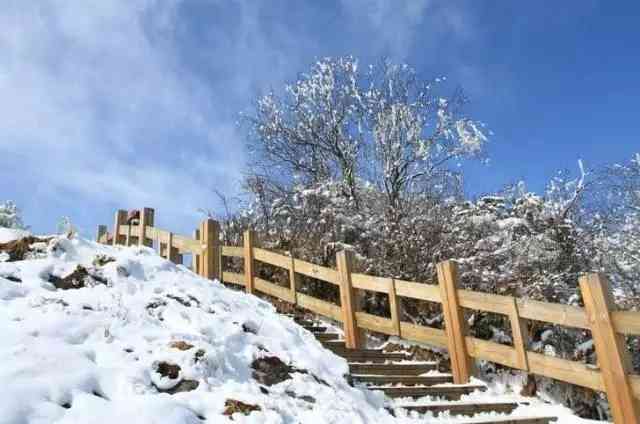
x: 405, y: 381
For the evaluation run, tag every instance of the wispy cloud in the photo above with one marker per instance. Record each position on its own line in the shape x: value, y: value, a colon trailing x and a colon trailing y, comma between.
x: 135, y: 102
x: 402, y: 28
x: 95, y: 102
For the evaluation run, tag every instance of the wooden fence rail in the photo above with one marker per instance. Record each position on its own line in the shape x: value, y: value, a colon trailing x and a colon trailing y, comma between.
x: 612, y: 375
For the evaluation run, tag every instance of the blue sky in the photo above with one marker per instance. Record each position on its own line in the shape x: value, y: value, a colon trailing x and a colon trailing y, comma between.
x: 127, y: 103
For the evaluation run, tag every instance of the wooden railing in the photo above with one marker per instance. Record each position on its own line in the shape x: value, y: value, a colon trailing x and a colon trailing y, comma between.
x: 608, y: 326
x: 204, y: 246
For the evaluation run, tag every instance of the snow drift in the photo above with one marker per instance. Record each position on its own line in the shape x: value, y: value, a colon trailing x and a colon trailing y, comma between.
x: 100, y: 334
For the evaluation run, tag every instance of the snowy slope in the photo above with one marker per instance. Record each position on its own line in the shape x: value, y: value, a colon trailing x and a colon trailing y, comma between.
x: 98, y: 354
x: 147, y: 341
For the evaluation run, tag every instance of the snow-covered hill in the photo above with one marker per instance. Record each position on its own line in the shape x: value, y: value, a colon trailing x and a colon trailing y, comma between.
x: 99, y: 334
x: 96, y: 334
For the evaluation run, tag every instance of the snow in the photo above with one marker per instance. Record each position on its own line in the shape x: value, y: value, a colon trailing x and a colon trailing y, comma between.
x: 90, y: 354
x: 10, y: 234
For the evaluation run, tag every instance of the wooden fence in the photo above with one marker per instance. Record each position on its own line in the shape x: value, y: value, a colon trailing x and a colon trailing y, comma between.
x: 608, y: 326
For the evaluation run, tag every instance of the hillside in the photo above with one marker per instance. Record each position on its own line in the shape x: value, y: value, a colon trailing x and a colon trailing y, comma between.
x: 133, y: 337
x: 94, y: 333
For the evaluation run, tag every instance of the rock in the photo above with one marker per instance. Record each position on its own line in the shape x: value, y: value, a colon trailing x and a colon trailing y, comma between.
x: 183, y: 386
x: 168, y: 370
x: 172, y: 372
x: 156, y: 303
x: 180, y: 300
x: 79, y: 278
x: 530, y: 388
x: 233, y: 406
x: 102, y: 260
x: 271, y: 370
x: 122, y: 271
x: 156, y: 307
x: 181, y: 345
x: 13, y: 279
x: 199, y: 355
x: 306, y: 398
x: 249, y: 327
x: 17, y: 250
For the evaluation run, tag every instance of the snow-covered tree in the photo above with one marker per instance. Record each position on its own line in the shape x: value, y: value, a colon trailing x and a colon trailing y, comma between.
x: 10, y: 215
x: 382, y: 126
x: 618, y: 226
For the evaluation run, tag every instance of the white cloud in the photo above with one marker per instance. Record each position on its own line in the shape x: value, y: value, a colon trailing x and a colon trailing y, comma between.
x: 95, y: 102
x: 123, y: 103
x: 397, y: 28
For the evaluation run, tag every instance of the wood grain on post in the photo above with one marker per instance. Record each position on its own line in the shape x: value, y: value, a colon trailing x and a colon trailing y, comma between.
x: 394, y: 306
x: 293, y: 279
x: 209, y: 236
x: 127, y: 240
x: 219, y: 261
x: 344, y: 260
x: 176, y: 256
x: 121, y: 219
x: 146, y: 220
x: 613, y: 357
x: 102, y: 231
x: 195, y: 262
x: 168, y: 246
x: 249, y: 265
x: 520, y: 335
x: 455, y: 325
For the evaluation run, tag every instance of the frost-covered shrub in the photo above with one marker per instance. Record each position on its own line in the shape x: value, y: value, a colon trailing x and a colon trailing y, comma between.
x: 10, y: 215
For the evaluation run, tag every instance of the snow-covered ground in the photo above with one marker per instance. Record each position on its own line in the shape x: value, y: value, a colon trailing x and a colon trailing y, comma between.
x: 91, y: 355
x: 147, y: 341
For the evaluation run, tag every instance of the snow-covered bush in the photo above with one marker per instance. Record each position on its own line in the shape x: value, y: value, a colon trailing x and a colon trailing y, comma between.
x: 10, y: 215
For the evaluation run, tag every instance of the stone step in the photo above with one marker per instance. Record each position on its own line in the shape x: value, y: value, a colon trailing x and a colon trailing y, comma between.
x: 445, y: 392
x: 515, y: 420
x: 315, y: 328
x: 461, y: 408
x: 368, y: 355
x: 392, y: 369
x: 334, y: 344
x: 325, y: 337
x: 406, y: 380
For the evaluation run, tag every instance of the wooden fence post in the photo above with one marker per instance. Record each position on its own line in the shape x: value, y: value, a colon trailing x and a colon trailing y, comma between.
x: 613, y: 357
x: 344, y: 260
x: 146, y: 220
x: 394, y: 306
x: 249, y: 270
x: 293, y: 279
x: 455, y: 325
x: 210, y: 238
x: 168, y: 249
x: 520, y: 334
x: 102, y: 231
x: 127, y: 239
x: 195, y: 258
x: 121, y: 219
x: 219, y: 261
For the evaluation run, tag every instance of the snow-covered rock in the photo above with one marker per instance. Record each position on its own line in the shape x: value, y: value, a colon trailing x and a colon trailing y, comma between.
x: 11, y: 234
x: 143, y: 340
